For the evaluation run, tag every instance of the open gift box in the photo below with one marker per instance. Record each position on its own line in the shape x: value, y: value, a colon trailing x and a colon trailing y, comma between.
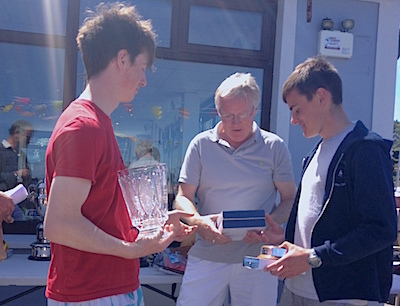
x: 236, y: 223
x: 268, y: 254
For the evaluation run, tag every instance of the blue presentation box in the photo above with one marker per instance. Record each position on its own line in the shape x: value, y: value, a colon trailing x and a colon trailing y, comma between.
x: 236, y: 223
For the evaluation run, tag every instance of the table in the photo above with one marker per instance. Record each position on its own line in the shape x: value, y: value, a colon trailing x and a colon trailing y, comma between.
x: 396, y: 289
x: 18, y: 270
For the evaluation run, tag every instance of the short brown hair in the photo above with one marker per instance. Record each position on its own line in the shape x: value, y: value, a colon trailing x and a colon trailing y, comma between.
x: 20, y: 125
x: 312, y: 74
x: 112, y: 28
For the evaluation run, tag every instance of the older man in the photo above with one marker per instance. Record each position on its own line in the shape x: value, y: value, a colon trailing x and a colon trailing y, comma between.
x: 14, y: 167
x: 234, y: 166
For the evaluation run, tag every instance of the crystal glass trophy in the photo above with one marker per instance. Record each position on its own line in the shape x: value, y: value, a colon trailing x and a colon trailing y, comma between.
x: 145, y: 193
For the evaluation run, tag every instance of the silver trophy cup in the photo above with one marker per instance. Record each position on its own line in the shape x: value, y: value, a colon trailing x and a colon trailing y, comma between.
x: 145, y: 193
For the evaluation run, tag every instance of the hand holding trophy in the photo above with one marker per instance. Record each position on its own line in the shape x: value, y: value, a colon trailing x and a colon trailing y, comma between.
x: 145, y: 193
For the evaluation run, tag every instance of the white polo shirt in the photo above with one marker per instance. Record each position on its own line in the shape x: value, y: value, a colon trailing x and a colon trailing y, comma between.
x: 234, y: 179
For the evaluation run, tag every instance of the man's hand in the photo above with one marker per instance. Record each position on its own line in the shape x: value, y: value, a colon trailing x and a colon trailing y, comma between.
x: 6, y: 209
x: 155, y: 243
x: 174, y: 230
x: 206, y: 228
x: 180, y: 230
x: 274, y: 233
x: 293, y: 263
x: 206, y: 225
x: 23, y: 172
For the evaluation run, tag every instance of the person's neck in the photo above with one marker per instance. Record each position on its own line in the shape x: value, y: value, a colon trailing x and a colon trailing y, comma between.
x: 12, y: 143
x: 101, y: 91
x: 223, y: 135
x: 335, y: 123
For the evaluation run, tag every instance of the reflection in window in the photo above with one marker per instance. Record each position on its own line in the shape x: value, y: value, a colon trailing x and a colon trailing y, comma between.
x: 176, y: 104
x: 46, y: 17
x: 31, y: 92
x: 159, y: 11
x: 231, y: 28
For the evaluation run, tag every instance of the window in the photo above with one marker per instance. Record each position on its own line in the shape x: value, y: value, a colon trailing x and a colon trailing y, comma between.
x: 36, y: 16
x: 230, y: 28
x: 159, y: 11
x: 43, y: 73
x: 32, y: 85
x: 176, y: 104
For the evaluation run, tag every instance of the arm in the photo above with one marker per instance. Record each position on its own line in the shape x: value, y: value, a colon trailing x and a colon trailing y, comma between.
x: 370, y: 184
x: 181, y: 230
x: 292, y: 264
x: 6, y: 208
x: 6, y: 178
x: 64, y: 224
x: 287, y: 192
x: 374, y: 208
x: 185, y: 201
x: 206, y: 225
x: 9, y: 178
x: 275, y: 233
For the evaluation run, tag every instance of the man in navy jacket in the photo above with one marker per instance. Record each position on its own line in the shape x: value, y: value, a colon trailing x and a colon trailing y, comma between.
x: 343, y: 223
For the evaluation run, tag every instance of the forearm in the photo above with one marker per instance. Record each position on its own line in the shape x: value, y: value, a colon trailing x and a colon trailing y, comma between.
x: 287, y: 192
x: 351, y: 246
x: 371, y: 221
x: 65, y: 224
x: 282, y: 211
x: 8, y: 179
x: 185, y: 204
x: 79, y: 233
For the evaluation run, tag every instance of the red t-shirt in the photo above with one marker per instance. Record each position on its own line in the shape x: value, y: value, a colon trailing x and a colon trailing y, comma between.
x: 83, y: 145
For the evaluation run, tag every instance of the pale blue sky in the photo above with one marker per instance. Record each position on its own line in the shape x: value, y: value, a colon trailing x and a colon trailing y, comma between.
x: 397, y: 97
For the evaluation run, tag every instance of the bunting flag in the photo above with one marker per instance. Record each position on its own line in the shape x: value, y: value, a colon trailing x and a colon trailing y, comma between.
x: 57, y: 104
x: 6, y: 108
x: 184, y: 113
x: 157, y: 112
x: 23, y: 100
x: 28, y: 114
x: 18, y: 109
x: 46, y: 110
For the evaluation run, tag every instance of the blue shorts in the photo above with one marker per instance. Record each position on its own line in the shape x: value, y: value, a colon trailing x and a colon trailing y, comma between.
x: 134, y: 298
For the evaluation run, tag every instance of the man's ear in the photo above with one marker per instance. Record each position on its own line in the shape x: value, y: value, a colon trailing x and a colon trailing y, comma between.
x: 323, y: 95
x: 122, y: 58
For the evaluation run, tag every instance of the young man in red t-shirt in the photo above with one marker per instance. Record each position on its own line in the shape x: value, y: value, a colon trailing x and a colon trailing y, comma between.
x: 95, y: 251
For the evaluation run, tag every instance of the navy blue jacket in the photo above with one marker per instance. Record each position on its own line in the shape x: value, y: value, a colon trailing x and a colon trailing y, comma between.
x: 8, y: 165
x: 357, y: 226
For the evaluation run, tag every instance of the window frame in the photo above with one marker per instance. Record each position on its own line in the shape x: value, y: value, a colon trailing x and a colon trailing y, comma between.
x: 180, y: 49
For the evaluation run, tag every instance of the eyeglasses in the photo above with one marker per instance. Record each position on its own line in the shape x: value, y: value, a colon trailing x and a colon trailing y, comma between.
x: 240, y: 117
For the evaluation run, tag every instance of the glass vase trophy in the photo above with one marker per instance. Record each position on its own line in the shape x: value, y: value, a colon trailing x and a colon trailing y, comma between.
x: 145, y: 193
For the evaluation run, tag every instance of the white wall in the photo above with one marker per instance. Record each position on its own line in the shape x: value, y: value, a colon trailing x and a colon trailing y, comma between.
x: 368, y: 77
x: 385, y: 71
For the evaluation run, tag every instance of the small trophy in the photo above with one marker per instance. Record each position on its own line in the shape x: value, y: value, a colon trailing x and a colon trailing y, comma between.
x: 41, y: 248
x: 145, y: 193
